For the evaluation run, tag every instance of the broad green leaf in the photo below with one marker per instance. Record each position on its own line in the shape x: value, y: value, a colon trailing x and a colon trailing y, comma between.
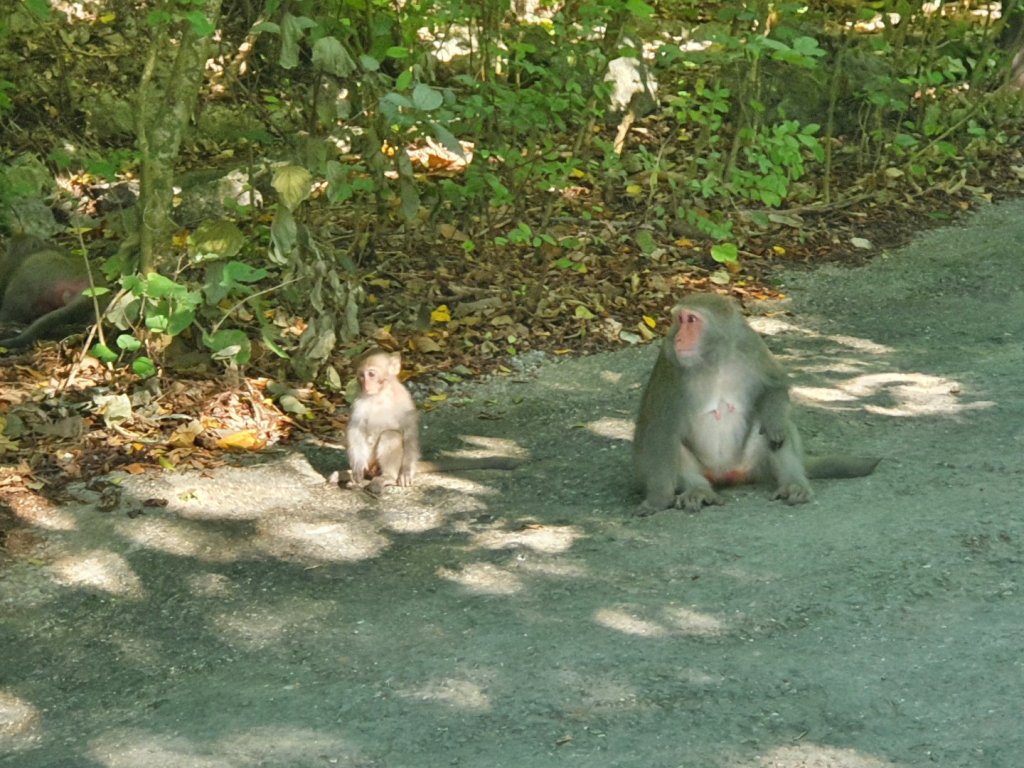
x: 201, y: 25
x: 292, y: 183
x: 426, y: 98
x: 103, y: 353
x: 330, y: 56
x: 240, y: 272
x: 144, y: 367
x: 128, y: 343
x: 218, y: 239
x: 724, y: 252
x: 284, y: 234
x: 447, y: 138
x: 180, y: 320
x: 229, y: 344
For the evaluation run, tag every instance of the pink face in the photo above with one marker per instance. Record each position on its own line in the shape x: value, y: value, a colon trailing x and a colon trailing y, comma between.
x: 371, y: 378
x: 689, y: 329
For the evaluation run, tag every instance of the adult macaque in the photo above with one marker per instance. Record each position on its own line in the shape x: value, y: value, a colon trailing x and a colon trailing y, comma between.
x: 41, y: 286
x: 383, y: 431
x: 716, y: 412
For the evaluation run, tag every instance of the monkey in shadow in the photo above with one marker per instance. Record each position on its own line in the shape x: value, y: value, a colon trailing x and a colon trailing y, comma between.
x: 41, y: 291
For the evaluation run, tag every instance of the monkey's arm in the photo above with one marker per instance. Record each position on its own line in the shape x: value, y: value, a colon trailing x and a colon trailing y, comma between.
x: 410, y: 448
x: 48, y: 323
x: 359, y: 454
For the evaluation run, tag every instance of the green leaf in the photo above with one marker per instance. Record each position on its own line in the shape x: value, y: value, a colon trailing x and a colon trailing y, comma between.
x: 179, y: 321
x: 201, y: 25
x: 369, y: 63
x: 40, y: 9
x: 330, y: 56
x: 229, y: 344
x: 217, y: 239
x: 645, y: 242
x: 103, y: 353
x: 144, y: 367
x: 292, y: 183
x: 426, y: 98
x: 292, y: 31
x: 404, y: 80
x: 724, y: 253
x: 447, y: 138
x: 284, y: 233
x: 128, y: 343
x: 157, y: 286
x: 397, y: 52
x: 240, y: 272
x: 583, y: 313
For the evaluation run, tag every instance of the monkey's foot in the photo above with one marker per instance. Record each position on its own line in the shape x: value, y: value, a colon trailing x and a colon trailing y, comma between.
x: 695, y: 499
x: 793, y: 493
x: 646, y: 509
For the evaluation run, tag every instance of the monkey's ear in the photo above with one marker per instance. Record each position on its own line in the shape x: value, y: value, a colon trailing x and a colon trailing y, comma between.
x: 395, y: 364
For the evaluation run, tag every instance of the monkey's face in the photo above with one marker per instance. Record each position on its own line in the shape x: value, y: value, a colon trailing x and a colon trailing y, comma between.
x: 688, y: 327
x: 372, y: 379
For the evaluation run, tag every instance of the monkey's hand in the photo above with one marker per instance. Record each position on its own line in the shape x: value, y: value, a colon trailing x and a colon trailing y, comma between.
x: 793, y: 493
x: 406, y: 475
x: 357, y: 476
x: 695, y: 499
x: 774, y: 432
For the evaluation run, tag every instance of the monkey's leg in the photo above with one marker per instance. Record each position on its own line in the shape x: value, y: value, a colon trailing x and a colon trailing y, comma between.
x: 696, y: 488
x: 787, y: 467
x: 390, y: 453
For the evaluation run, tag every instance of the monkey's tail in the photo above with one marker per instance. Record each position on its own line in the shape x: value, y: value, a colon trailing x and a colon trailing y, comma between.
x: 840, y: 466
x: 48, y: 323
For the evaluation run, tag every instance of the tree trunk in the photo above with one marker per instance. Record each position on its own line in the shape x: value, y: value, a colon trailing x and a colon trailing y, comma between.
x: 167, y: 96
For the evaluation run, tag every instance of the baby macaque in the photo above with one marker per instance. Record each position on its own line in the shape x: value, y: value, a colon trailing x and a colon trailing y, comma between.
x: 716, y: 412
x: 383, y: 439
x: 41, y: 286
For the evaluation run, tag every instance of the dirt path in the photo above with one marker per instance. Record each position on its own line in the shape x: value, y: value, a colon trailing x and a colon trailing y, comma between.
x: 523, y: 619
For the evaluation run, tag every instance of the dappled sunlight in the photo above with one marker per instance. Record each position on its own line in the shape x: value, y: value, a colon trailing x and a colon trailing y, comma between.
x: 610, y: 377
x: 104, y: 571
x: 485, y: 447
x: 452, y: 481
x: 540, y: 538
x: 628, y: 624
x: 412, y: 519
x: 459, y: 694
x: 210, y: 585
x: 19, y: 722
x: 319, y: 540
x: 611, y: 428
x: 483, y: 578
x: 899, y: 394
x: 776, y: 325
x: 270, y: 745
x: 690, y: 622
x: 180, y: 537
x: 675, y: 621
x: 254, y: 628
x: 559, y: 569
x: 817, y: 756
x: 41, y: 513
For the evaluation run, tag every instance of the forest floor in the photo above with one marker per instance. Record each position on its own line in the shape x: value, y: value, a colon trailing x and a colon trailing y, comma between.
x: 256, y: 616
